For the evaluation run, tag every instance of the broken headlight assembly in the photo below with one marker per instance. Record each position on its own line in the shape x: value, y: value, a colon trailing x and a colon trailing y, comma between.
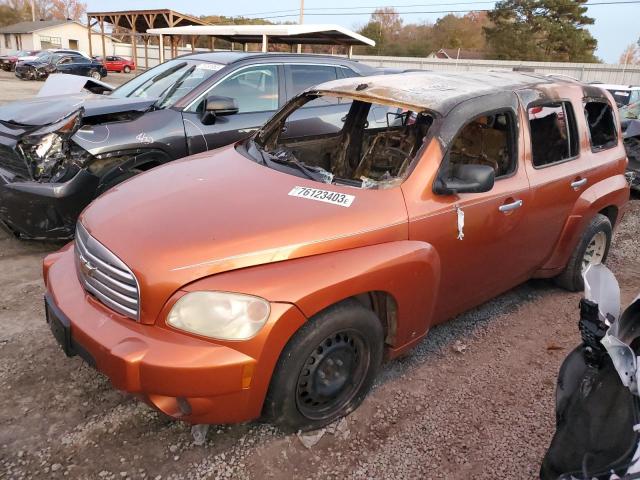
x: 49, y: 152
x: 220, y: 315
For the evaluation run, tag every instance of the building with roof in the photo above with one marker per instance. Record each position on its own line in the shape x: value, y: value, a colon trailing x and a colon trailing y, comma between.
x: 45, y: 34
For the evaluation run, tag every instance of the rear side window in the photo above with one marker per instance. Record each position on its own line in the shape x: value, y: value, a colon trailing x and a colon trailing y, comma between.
x: 302, y: 77
x: 346, y: 72
x: 554, y: 135
x: 601, y: 123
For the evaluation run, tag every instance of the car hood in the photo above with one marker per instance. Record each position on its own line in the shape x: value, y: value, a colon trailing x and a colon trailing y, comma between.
x: 220, y: 211
x: 41, y: 111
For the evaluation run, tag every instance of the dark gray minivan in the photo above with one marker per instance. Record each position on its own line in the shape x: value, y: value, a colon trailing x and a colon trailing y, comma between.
x: 57, y: 153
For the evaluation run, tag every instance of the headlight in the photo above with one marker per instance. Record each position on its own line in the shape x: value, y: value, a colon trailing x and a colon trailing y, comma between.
x: 225, y: 316
x: 48, y: 150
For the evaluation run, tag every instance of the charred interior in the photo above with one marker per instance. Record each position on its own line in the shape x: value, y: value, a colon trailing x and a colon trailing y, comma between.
x: 369, y: 146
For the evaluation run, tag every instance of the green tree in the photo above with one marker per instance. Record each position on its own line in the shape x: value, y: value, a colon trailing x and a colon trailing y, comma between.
x: 543, y: 30
x: 385, y: 27
x: 452, y: 31
x: 9, y: 16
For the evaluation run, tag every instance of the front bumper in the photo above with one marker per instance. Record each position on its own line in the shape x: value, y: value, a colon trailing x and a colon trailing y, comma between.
x: 185, y: 377
x: 36, y: 210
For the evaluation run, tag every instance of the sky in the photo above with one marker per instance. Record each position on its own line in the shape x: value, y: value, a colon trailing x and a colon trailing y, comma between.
x: 616, y: 26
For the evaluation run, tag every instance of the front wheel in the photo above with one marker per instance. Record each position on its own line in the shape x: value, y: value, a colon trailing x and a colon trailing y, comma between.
x: 592, y: 249
x: 95, y: 75
x: 326, y: 369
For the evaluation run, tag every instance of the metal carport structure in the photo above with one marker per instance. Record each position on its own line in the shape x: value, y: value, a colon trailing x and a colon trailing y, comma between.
x: 322, y: 34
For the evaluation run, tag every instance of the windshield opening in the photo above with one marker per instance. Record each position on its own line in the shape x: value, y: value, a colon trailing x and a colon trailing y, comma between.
x: 169, y: 81
x: 345, y: 141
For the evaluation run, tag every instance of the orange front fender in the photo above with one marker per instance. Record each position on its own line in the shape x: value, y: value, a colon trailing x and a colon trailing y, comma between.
x: 407, y: 270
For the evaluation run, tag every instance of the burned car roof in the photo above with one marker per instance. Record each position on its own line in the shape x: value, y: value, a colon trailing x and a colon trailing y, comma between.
x: 435, y: 91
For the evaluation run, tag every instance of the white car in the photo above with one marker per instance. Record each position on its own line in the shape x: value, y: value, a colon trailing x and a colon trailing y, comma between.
x: 52, y: 50
x: 622, y: 94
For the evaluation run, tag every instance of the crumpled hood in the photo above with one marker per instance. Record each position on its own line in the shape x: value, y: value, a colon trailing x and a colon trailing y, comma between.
x: 46, y: 110
x: 220, y: 211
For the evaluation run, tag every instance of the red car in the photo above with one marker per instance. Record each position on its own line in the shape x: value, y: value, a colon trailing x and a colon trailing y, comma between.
x: 8, y: 62
x: 119, y: 64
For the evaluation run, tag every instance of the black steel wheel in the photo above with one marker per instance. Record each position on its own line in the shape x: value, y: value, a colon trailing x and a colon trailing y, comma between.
x: 332, y: 374
x: 326, y: 369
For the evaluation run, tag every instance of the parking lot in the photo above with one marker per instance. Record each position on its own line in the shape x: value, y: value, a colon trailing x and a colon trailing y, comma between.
x: 474, y: 400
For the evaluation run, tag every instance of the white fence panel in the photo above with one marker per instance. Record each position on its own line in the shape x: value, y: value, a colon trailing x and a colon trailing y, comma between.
x: 586, y: 72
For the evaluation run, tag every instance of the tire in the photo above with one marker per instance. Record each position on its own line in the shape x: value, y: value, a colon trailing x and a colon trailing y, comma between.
x: 571, y: 278
x: 311, y: 386
x: 126, y: 69
x: 95, y: 74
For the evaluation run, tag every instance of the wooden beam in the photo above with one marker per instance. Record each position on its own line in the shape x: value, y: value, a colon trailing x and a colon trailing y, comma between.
x: 146, y: 51
x: 134, y: 44
x: 89, y: 33
x: 161, y: 48
x: 104, y: 49
x: 166, y: 19
x: 193, y: 43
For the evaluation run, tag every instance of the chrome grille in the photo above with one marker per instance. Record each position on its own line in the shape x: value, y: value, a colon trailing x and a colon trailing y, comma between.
x: 105, y: 276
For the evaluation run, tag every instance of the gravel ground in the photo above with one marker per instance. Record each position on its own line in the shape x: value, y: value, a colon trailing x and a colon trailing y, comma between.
x: 473, y: 400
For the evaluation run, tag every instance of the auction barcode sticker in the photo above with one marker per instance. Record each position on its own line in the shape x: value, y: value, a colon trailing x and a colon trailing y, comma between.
x: 326, y: 196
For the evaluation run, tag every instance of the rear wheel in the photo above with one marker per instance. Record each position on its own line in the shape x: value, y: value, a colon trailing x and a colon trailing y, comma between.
x: 127, y: 69
x: 326, y: 369
x: 592, y: 249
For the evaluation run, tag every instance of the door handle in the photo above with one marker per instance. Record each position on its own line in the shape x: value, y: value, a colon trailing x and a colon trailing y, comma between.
x: 507, y: 207
x: 578, y: 183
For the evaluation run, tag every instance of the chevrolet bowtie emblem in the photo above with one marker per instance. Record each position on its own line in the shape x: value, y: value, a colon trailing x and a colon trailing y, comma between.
x: 86, y: 266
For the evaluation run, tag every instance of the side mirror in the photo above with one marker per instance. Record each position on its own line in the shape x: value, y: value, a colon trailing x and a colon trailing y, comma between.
x: 465, y: 179
x: 217, y: 106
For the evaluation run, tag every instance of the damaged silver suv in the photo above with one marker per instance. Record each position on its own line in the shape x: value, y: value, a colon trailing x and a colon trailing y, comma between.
x: 57, y: 153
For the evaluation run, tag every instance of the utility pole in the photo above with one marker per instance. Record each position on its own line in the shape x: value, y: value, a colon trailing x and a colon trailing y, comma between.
x: 33, y: 10
x: 301, y: 22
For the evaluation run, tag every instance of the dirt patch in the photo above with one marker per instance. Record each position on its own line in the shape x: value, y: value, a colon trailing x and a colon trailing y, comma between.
x: 473, y: 400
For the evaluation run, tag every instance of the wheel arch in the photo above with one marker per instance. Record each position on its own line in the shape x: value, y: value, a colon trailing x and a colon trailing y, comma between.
x: 111, y: 165
x: 608, y: 197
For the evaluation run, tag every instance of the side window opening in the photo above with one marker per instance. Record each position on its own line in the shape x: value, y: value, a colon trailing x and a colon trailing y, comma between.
x: 601, y: 123
x: 364, y: 154
x: 554, y: 136
x: 486, y: 140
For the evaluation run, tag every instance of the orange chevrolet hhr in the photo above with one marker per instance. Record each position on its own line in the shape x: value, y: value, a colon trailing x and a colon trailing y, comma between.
x: 271, y: 277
